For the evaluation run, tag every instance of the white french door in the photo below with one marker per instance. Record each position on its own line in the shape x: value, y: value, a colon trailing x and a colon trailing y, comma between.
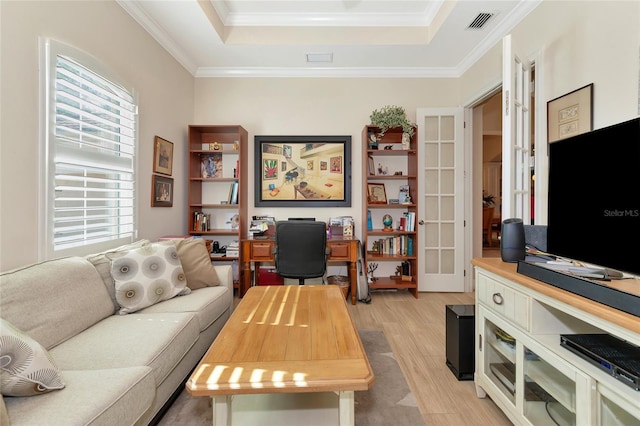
x: 516, y: 135
x: 441, y: 199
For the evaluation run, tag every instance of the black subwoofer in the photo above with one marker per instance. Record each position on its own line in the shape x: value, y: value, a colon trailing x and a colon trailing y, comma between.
x: 512, y: 240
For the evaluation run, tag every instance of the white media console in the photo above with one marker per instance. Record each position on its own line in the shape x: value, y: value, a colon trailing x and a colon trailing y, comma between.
x: 520, y: 363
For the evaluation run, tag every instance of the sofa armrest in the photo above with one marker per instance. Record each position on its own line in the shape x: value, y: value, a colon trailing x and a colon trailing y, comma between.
x: 225, y: 275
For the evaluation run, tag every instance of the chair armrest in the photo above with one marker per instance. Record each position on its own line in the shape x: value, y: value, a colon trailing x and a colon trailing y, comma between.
x: 225, y: 275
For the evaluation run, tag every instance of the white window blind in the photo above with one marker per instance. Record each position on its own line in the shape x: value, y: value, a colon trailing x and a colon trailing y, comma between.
x: 91, y: 160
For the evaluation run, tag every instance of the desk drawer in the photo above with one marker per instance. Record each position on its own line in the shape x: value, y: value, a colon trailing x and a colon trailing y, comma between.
x: 262, y: 251
x: 340, y: 251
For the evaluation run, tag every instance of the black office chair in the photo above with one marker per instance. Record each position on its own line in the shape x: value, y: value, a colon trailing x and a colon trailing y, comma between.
x: 301, y: 249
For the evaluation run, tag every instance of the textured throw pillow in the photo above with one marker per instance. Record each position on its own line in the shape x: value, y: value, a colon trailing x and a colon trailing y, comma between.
x: 102, y: 262
x: 196, y: 263
x: 26, y: 368
x: 146, y: 276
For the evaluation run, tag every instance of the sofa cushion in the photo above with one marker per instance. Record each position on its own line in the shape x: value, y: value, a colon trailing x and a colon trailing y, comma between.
x: 26, y: 368
x: 206, y: 303
x: 196, y: 263
x: 54, y: 300
x: 102, y: 263
x: 147, y: 275
x: 158, y: 341
x: 117, y: 396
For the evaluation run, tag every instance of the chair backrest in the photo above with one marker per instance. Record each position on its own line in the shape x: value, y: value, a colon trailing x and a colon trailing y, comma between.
x: 300, y: 250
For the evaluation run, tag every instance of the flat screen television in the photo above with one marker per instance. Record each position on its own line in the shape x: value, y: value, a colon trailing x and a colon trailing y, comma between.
x: 594, y: 197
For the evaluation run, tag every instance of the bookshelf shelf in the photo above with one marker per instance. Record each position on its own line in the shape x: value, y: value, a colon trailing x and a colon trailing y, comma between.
x: 217, y: 186
x: 394, y: 167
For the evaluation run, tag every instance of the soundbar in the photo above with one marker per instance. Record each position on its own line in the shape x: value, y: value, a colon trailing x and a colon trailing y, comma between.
x: 598, y: 292
x: 617, y: 357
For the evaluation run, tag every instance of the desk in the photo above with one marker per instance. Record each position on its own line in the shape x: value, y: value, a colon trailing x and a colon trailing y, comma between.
x: 261, y: 250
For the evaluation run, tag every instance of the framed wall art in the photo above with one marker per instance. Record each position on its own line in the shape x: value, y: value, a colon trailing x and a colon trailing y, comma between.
x: 376, y: 193
x: 570, y: 114
x: 161, y: 191
x: 303, y: 171
x: 162, y: 156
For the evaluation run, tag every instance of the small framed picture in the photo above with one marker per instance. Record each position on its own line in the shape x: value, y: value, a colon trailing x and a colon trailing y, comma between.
x: 161, y: 191
x: 376, y: 193
x: 404, y: 196
x: 162, y: 156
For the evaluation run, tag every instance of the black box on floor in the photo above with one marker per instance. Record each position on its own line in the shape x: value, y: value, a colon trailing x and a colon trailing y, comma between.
x: 460, y: 328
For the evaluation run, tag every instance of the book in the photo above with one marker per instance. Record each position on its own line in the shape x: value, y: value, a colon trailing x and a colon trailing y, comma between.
x: 234, y: 193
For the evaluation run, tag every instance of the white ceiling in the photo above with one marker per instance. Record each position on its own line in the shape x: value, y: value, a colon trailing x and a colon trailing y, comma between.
x: 363, y: 38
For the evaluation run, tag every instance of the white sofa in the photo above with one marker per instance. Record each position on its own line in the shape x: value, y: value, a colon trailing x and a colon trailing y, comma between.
x: 117, y: 369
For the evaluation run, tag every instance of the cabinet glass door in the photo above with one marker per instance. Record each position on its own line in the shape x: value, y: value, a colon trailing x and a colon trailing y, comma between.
x: 549, y: 395
x: 500, y: 359
x: 617, y: 413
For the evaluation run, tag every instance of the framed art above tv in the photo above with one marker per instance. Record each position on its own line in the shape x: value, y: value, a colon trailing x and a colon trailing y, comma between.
x: 302, y: 171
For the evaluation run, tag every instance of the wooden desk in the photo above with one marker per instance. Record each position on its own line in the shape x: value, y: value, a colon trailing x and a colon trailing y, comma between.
x: 261, y: 250
x: 293, y: 344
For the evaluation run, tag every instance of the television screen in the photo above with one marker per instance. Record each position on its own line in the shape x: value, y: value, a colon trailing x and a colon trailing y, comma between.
x: 594, y: 197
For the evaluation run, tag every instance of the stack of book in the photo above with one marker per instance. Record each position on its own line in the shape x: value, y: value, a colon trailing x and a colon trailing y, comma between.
x: 233, y: 249
x: 201, y: 221
x: 407, y: 222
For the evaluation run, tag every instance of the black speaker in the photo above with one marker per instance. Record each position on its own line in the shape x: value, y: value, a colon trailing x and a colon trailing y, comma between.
x: 512, y: 240
x: 536, y: 236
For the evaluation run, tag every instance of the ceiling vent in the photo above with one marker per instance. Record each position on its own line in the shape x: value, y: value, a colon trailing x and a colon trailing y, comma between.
x: 481, y: 20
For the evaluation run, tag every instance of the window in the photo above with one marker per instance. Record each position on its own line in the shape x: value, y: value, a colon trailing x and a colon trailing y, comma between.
x: 89, y: 149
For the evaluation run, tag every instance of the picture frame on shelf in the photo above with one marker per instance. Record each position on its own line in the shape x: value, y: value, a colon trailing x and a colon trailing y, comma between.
x: 161, y: 191
x: 570, y: 114
x: 376, y: 193
x: 162, y: 156
x: 372, y: 166
x: 211, y: 166
x: 404, y: 196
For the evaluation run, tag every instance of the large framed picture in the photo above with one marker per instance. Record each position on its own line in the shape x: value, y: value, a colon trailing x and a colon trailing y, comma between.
x: 570, y: 114
x: 161, y: 191
x: 302, y: 171
x: 162, y: 156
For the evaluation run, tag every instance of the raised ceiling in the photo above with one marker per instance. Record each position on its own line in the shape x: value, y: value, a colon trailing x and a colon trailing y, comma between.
x: 352, y: 38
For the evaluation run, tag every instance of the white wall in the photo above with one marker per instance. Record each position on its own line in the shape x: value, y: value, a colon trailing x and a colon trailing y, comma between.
x: 106, y: 31
x: 578, y: 42
x: 325, y: 106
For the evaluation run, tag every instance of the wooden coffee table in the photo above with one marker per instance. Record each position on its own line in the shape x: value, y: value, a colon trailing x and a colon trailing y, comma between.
x: 281, y: 344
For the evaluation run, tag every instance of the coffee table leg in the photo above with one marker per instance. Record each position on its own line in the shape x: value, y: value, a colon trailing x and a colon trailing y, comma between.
x: 347, y: 410
x: 221, y: 410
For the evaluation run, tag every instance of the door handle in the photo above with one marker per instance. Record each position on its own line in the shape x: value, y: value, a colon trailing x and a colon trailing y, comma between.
x: 421, y: 222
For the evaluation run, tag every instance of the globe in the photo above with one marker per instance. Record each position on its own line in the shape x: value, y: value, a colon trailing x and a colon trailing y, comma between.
x: 387, y: 221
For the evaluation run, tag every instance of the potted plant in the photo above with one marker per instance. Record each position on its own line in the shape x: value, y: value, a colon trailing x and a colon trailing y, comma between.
x: 392, y: 116
x: 488, y: 200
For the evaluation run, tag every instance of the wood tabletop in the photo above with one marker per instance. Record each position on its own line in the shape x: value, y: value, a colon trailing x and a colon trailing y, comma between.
x: 285, y: 339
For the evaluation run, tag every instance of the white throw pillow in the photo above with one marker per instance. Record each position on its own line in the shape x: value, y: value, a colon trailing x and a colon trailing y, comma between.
x: 26, y: 368
x: 146, y: 276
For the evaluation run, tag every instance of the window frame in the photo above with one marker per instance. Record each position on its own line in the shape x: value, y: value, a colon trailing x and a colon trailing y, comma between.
x: 49, y: 51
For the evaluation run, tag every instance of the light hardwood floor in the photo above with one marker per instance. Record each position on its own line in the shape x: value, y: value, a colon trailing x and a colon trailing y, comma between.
x: 415, y: 329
